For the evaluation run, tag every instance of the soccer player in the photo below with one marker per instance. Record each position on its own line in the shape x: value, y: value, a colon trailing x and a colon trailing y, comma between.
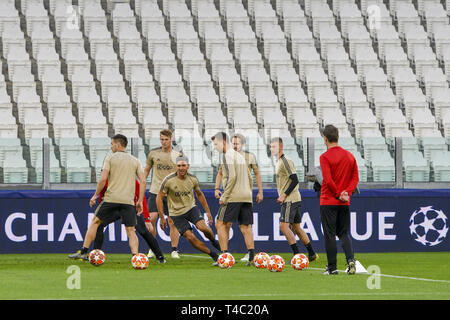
x: 290, y: 199
x: 237, y: 198
x: 238, y: 142
x: 179, y: 189
x: 120, y: 170
x: 142, y: 226
x: 340, y: 178
x: 161, y: 161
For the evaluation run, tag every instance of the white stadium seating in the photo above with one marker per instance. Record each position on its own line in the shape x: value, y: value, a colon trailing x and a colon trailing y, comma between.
x: 260, y: 67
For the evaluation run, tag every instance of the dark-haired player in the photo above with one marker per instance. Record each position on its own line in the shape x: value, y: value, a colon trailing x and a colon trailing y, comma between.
x: 236, y: 201
x: 340, y: 178
x: 238, y: 141
x: 141, y: 226
x: 120, y: 170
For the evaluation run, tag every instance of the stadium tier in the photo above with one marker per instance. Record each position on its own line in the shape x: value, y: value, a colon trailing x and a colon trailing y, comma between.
x: 80, y: 71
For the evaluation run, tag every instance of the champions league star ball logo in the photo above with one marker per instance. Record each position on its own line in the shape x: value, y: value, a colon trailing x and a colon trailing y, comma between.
x: 428, y: 226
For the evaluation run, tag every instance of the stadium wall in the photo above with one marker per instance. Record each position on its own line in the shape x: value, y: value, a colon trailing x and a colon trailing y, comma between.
x: 382, y: 220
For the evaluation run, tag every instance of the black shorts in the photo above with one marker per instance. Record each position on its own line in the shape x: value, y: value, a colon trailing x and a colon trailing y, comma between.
x: 182, y: 222
x: 290, y: 212
x: 109, y: 212
x: 240, y: 211
x: 152, y: 204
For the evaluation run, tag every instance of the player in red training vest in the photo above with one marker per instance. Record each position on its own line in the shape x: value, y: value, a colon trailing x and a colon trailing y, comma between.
x: 340, y: 178
x: 143, y: 220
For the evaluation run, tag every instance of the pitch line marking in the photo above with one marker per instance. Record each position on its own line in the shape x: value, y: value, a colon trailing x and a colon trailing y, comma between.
x: 272, y: 295
x: 343, y: 271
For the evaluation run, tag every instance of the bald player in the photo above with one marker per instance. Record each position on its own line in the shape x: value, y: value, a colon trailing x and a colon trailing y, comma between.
x: 179, y: 188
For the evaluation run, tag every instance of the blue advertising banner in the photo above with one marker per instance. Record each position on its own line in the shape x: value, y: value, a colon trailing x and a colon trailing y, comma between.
x: 383, y: 220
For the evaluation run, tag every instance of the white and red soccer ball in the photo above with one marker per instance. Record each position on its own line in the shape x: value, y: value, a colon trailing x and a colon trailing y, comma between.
x: 139, y: 261
x: 96, y: 257
x: 300, y: 261
x: 276, y: 263
x: 225, y: 261
x: 261, y: 260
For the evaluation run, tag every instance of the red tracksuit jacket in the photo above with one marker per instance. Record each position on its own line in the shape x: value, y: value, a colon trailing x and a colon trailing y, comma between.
x: 340, y: 172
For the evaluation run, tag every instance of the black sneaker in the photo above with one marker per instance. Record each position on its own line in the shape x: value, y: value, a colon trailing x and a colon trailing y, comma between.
x: 79, y: 256
x: 351, y: 267
x: 329, y: 272
x: 314, y: 257
x: 250, y: 263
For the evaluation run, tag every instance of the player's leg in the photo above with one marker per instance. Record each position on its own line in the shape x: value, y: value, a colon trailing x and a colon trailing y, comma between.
x: 174, y: 239
x: 223, y: 233
x: 207, y: 231
x: 88, y: 238
x: 199, y: 245
x: 328, y: 216
x: 141, y: 228
x: 294, y: 220
x: 153, y: 219
x: 129, y: 219
x: 133, y: 241
x: 153, y: 211
x: 245, y: 219
x: 98, y: 241
x: 183, y: 226
x: 106, y: 213
x: 285, y: 226
x: 342, y: 228
x: 225, y: 217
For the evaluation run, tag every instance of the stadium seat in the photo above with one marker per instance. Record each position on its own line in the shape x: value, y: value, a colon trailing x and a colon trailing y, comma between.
x: 275, y: 67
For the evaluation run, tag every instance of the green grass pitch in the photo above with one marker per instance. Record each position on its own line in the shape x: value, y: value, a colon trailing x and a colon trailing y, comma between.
x: 44, y: 276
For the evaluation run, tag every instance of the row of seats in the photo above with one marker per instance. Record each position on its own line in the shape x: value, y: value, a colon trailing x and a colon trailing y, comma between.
x: 285, y: 70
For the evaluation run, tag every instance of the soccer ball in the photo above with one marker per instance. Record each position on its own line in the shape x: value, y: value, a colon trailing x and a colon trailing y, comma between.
x: 276, y: 263
x: 225, y: 261
x: 261, y: 260
x: 428, y: 226
x: 139, y: 261
x: 96, y: 257
x: 299, y: 261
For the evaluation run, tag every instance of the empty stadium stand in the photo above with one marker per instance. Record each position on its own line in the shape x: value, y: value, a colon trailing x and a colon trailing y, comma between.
x: 80, y: 71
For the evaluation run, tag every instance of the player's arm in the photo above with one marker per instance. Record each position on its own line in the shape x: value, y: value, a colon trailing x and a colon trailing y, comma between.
x: 289, y: 167
x: 231, y: 182
x: 202, y: 199
x: 259, y: 196
x: 327, y: 178
x: 160, y: 205
x: 217, y: 192
x: 148, y: 166
x: 101, y: 182
x: 142, y: 187
x: 354, y: 180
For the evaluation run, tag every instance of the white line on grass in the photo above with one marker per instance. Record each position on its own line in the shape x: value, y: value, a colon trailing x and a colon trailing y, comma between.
x: 382, y: 275
x: 251, y: 295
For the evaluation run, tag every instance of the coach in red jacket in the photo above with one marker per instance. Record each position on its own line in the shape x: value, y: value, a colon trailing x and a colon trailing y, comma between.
x: 340, y: 178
